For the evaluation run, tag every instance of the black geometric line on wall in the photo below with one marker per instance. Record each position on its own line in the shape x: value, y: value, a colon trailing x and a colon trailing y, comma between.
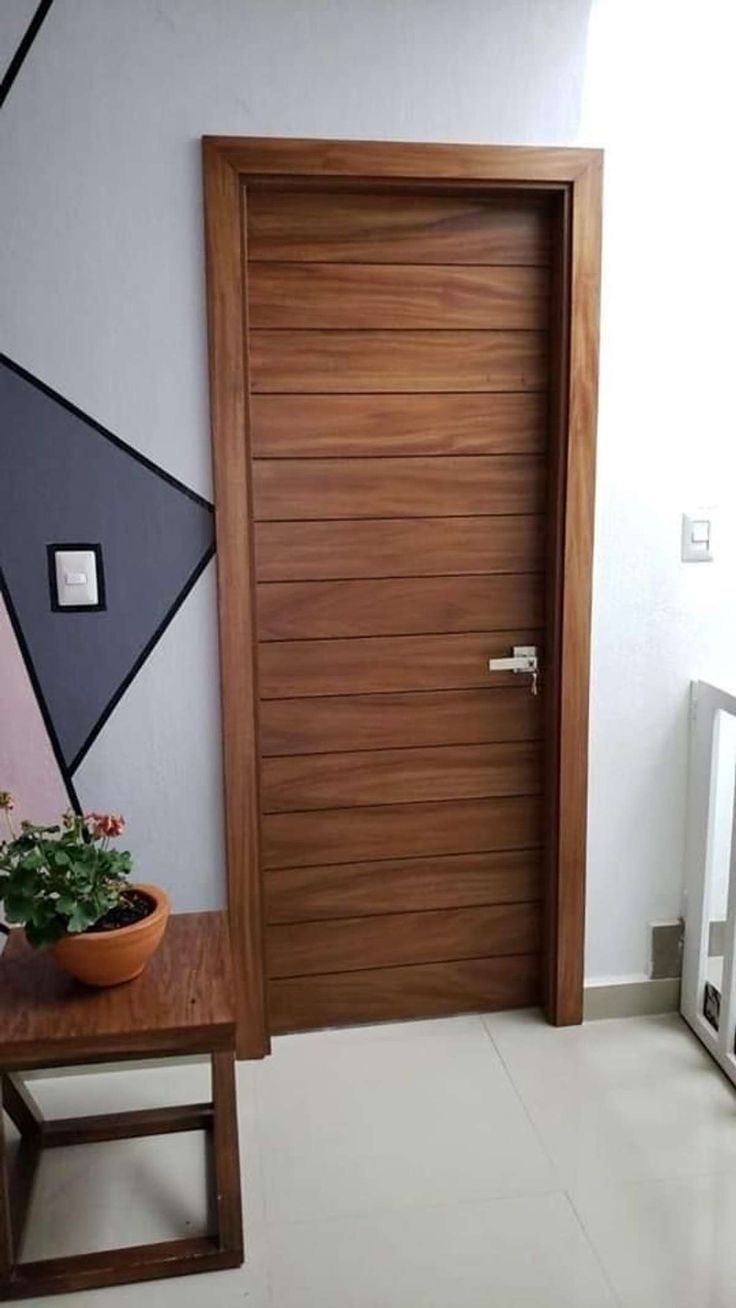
x: 62, y: 482
x: 130, y: 450
x: 147, y: 649
x: 31, y: 671
x: 24, y: 47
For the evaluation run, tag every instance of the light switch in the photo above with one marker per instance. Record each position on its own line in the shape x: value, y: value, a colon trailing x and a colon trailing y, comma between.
x: 697, y: 536
x: 76, y: 578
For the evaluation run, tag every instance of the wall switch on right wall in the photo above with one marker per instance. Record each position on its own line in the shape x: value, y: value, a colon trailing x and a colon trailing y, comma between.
x: 697, y: 536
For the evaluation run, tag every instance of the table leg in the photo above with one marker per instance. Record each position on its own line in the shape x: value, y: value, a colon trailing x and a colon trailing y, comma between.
x: 226, y: 1154
x: 20, y: 1105
x: 6, y: 1229
x: 25, y: 1114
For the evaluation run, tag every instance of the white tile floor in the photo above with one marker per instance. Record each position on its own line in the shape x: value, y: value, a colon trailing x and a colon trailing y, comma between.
x: 478, y: 1162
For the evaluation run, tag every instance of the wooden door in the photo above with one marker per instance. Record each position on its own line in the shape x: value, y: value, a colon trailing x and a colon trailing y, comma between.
x: 398, y: 349
x: 403, y: 359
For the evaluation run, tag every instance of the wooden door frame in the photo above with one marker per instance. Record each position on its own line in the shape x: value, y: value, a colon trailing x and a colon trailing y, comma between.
x: 573, y: 177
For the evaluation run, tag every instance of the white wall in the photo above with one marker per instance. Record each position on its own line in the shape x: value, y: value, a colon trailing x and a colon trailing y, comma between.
x: 658, y: 98
x: 101, y: 261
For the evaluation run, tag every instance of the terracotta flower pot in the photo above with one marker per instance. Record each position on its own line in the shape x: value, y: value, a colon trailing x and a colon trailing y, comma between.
x: 107, y: 958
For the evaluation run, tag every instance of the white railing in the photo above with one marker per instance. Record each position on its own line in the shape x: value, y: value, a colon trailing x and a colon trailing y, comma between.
x: 708, y: 1000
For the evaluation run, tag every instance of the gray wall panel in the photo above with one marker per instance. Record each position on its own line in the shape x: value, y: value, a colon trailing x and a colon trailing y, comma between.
x: 63, y: 481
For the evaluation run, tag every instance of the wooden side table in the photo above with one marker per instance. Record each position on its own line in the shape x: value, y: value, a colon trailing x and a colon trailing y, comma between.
x: 182, y: 1004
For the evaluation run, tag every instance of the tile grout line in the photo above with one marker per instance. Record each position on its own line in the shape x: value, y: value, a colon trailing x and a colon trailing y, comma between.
x: 594, y: 1249
x: 361, y: 1214
x: 527, y: 1113
x: 630, y: 1181
x: 563, y: 1189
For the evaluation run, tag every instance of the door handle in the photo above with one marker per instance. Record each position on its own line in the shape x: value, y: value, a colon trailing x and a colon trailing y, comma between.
x: 523, y: 658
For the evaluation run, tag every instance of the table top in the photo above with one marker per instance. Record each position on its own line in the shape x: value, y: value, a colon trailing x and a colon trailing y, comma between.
x: 183, y: 1002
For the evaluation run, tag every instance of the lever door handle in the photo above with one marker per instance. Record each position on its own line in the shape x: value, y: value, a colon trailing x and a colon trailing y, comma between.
x: 523, y: 658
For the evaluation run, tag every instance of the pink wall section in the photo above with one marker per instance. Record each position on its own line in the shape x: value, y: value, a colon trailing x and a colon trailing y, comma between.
x: 28, y: 768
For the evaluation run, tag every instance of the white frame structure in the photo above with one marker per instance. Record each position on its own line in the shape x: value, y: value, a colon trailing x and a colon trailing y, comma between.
x: 708, y: 702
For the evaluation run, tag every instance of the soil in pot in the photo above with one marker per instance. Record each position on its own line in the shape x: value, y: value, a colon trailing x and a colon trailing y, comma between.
x: 133, y: 907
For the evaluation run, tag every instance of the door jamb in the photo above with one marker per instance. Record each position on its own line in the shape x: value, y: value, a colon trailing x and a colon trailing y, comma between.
x: 574, y: 177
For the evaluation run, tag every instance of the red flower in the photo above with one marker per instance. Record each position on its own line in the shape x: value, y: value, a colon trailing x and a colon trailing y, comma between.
x: 105, y: 824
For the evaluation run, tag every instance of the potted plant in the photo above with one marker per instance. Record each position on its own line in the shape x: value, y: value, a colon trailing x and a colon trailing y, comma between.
x: 68, y: 887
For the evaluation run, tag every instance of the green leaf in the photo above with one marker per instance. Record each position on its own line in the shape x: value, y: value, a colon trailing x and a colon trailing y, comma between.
x: 18, y: 905
x: 79, y: 919
x: 32, y: 860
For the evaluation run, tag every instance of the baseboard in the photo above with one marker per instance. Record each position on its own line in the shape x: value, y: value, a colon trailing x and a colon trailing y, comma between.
x: 634, y: 998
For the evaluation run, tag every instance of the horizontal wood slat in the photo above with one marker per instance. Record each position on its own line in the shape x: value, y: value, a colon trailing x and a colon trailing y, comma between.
x: 396, y: 939
x: 393, y: 993
x: 317, y: 426
x: 297, y: 668
x: 444, y: 717
x: 289, y: 489
x: 385, y: 776
x: 396, y: 296
x: 337, y: 361
x: 359, y: 889
x: 400, y: 831
x: 294, y: 610
x: 393, y: 228
x: 381, y: 547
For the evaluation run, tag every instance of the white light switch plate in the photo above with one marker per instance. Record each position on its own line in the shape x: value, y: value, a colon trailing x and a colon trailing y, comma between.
x: 76, y: 579
x: 697, y: 536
